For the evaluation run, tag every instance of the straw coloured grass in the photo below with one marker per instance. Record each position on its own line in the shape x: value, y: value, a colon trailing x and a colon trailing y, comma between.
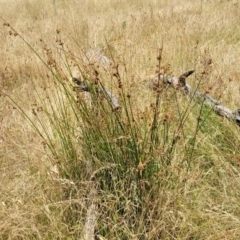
x: 162, y: 166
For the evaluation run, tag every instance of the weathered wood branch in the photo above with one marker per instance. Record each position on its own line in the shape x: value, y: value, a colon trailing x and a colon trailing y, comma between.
x: 83, y: 87
x: 180, y: 83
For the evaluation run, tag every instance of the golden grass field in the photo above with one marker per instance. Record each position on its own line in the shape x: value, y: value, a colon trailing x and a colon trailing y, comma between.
x: 201, y: 35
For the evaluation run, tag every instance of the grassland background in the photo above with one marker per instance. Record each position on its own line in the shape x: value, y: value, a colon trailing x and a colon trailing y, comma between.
x: 191, y: 32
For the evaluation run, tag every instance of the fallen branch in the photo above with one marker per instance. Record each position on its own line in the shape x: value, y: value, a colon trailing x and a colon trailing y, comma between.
x: 82, y: 87
x: 180, y: 83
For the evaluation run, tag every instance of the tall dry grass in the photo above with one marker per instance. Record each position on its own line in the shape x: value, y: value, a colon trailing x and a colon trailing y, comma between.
x: 43, y: 194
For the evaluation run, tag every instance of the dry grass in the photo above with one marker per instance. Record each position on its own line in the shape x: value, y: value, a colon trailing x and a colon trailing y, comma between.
x: 35, y: 200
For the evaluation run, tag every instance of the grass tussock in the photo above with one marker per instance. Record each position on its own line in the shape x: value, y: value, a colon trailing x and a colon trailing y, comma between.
x: 163, y: 166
